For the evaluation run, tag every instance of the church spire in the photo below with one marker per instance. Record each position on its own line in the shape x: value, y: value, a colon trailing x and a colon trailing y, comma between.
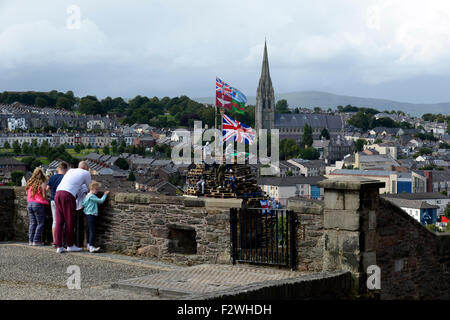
x: 265, y: 98
x: 265, y: 80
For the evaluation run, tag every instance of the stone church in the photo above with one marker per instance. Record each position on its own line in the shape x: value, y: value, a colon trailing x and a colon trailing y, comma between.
x: 291, y: 124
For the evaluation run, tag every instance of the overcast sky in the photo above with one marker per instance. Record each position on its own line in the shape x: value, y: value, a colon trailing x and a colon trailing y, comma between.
x: 396, y: 49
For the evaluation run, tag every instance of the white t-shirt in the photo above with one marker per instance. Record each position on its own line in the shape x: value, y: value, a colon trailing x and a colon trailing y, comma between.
x: 73, y: 180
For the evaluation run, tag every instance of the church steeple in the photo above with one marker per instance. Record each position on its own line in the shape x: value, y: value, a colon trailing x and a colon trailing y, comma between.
x: 265, y: 73
x: 265, y: 98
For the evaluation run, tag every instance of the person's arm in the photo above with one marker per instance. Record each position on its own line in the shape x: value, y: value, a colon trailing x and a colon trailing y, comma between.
x: 49, y: 185
x: 97, y: 199
x: 43, y: 188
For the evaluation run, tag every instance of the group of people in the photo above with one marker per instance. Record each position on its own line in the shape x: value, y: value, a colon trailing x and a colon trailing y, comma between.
x: 70, y: 189
x: 219, y: 172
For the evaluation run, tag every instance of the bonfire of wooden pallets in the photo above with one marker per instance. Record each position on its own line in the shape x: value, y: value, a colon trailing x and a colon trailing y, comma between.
x: 246, y: 185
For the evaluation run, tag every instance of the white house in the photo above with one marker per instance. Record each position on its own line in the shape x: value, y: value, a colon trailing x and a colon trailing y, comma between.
x: 16, y: 123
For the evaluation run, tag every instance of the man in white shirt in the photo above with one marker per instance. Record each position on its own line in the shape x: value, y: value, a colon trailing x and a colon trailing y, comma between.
x: 65, y: 200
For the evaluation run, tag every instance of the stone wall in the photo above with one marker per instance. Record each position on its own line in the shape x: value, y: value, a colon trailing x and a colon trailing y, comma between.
x: 361, y: 230
x: 414, y: 262
x: 309, y: 233
x: 141, y: 224
x: 6, y: 214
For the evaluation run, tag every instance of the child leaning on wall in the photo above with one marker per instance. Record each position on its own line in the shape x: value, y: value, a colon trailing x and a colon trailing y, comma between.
x: 90, y: 204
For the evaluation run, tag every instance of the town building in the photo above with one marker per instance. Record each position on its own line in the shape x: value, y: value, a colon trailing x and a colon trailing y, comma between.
x: 283, y: 188
x: 433, y: 198
x: 420, y: 210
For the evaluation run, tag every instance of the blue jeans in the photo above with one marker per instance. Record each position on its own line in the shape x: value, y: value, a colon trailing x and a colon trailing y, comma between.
x: 36, y: 212
x: 90, y: 229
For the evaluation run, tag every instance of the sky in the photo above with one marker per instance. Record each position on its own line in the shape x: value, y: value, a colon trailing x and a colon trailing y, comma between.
x: 395, y: 49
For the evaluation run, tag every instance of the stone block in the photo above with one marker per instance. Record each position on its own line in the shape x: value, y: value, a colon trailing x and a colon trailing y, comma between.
x: 193, y: 202
x: 160, y: 233
x: 223, y: 203
x: 341, y: 219
x: 350, y: 262
x: 334, y: 200
x: 331, y: 261
x: 351, y: 200
x: 306, y: 206
x: 331, y: 240
x: 148, y: 251
x: 349, y: 242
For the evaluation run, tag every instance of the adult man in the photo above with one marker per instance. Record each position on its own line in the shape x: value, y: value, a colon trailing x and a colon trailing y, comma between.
x: 65, y: 200
x: 53, y: 184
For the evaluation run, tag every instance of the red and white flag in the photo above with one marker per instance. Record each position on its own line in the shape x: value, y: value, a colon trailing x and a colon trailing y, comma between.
x: 224, y: 94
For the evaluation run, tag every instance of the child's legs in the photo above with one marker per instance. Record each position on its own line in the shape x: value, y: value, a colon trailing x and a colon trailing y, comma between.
x: 40, y: 217
x: 90, y: 229
x: 33, y: 222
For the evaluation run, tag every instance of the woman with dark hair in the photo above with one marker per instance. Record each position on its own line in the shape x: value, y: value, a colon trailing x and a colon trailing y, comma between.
x: 37, y: 200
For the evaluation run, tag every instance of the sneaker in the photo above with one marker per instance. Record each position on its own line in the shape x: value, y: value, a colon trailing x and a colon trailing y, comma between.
x: 60, y: 250
x: 38, y: 244
x: 30, y: 243
x: 73, y: 248
x: 93, y: 249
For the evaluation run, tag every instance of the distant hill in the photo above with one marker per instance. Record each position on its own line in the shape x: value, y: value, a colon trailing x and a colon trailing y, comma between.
x: 311, y: 99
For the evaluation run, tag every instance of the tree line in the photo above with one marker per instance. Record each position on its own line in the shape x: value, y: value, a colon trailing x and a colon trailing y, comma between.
x: 161, y: 113
x: 53, y: 99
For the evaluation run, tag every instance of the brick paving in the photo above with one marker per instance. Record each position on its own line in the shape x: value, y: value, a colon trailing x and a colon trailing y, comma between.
x: 204, y: 279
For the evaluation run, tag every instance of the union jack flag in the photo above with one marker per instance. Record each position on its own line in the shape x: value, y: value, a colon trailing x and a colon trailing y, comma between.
x: 224, y: 94
x: 236, y: 131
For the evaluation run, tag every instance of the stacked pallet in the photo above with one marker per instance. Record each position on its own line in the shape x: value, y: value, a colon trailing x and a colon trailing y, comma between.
x: 246, y: 185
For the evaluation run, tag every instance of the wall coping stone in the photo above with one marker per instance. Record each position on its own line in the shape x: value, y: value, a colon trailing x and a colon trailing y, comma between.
x: 193, y: 202
x: 350, y: 183
x: 142, y: 198
x: 306, y: 206
x: 222, y: 203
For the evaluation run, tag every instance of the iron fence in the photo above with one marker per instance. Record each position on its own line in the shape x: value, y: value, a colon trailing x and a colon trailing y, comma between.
x: 263, y: 236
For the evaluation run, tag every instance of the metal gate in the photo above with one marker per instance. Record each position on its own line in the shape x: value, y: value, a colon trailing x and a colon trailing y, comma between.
x: 263, y: 236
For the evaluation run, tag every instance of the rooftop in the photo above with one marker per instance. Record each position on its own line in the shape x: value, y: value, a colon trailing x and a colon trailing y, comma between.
x: 406, y: 203
x: 417, y: 196
x: 289, y: 181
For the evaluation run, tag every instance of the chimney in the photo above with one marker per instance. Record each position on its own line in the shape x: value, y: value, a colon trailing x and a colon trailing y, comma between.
x: 429, y: 176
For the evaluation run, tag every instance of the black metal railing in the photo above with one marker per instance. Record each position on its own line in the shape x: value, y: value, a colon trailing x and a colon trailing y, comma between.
x: 263, y: 236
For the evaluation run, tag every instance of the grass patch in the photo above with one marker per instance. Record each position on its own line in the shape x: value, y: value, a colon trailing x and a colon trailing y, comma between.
x: 82, y: 153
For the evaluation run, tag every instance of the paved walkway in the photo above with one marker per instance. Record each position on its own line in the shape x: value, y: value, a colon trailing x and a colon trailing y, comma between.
x: 40, y: 273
